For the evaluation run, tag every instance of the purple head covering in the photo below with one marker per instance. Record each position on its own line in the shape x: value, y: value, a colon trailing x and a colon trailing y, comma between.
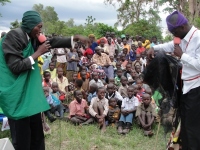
x: 180, y: 21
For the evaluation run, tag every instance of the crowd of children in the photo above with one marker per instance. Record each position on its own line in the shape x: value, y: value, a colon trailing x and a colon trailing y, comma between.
x: 107, y: 88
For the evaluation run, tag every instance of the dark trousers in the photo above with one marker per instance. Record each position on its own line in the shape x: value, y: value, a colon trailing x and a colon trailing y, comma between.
x: 190, y: 120
x: 27, y: 133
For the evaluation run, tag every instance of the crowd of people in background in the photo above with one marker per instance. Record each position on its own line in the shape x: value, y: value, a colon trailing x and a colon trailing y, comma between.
x: 100, y: 82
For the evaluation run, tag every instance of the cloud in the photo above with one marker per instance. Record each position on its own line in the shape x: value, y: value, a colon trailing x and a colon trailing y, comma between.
x: 76, y: 9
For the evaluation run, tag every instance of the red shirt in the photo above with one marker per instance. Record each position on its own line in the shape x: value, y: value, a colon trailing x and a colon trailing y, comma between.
x: 140, y: 50
x: 78, y: 108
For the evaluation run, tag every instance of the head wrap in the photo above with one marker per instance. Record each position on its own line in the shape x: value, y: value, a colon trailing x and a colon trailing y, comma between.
x: 30, y: 20
x: 91, y: 36
x: 3, y: 34
x: 88, y: 51
x: 181, y: 20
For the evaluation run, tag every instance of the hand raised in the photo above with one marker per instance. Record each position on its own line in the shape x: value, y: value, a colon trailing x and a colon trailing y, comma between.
x: 44, y: 47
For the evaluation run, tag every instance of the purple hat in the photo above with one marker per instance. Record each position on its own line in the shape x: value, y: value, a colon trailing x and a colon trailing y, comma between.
x: 180, y: 21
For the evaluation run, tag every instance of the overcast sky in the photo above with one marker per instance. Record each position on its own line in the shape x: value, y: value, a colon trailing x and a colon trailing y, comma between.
x: 66, y: 9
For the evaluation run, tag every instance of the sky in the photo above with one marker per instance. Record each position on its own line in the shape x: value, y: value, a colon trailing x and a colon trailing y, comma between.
x: 66, y: 9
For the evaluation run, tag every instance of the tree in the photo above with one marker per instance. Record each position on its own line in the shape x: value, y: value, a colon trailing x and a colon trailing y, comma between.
x: 145, y: 29
x: 131, y: 11
x: 3, y: 2
x: 191, y: 8
x: 15, y: 24
x: 90, y: 20
x: 48, y: 15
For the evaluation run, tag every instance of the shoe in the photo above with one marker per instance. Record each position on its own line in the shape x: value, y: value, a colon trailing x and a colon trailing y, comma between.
x: 57, y: 114
x: 52, y: 119
x: 126, y: 130
x: 120, y: 130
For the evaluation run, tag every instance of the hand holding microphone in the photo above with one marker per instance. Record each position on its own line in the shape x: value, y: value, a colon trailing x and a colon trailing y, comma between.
x: 177, y: 49
x: 43, y: 48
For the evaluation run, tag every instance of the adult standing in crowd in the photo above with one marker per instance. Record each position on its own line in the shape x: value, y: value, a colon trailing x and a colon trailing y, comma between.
x: 22, y: 97
x: 103, y: 60
x: 189, y: 53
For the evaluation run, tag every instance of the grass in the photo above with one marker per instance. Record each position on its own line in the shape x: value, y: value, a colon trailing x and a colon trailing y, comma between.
x: 67, y: 136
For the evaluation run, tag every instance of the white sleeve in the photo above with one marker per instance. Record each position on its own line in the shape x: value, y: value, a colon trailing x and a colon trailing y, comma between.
x: 123, y: 103
x: 191, y: 61
x: 136, y: 102
x: 72, y: 41
x: 118, y: 96
x: 167, y: 47
x: 32, y: 61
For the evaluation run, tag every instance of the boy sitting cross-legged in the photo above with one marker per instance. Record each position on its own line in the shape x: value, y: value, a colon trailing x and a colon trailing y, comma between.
x: 146, y: 114
x: 78, y: 113
x: 99, y: 108
x: 113, y: 112
x: 128, y: 108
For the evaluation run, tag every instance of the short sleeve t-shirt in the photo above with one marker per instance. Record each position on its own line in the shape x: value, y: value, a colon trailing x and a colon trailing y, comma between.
x: 72, y: 65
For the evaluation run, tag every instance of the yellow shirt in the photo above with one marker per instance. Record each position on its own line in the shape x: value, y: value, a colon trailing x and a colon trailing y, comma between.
x: 39, y: 65
x: 146, y: 44
x: 127, y: 46
x: 53, y: 73
x: 63, y: 84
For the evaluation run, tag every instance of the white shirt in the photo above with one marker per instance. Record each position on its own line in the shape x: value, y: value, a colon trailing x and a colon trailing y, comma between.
x: 130, y: 104
x: 190, y: 58
x: 99, y: 83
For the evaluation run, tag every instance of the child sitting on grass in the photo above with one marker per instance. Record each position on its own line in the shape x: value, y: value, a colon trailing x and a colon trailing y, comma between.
x: 112, y: 93
x: 123, y: 88
x: 141, y: 90
x: 54, y: 103
x: 146, y: 114
x: 52, y: 70
x: 92, y: 92
x: 78, y: 86
x: 47, y: 79
x: 113, y: 112
x: 78, y: 113
x: 128, y: 108
x: 85, y: 85
x: 99, y: 108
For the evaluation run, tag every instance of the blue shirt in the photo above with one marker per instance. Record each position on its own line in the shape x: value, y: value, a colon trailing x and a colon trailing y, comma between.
x: 93, y: 46
x: 90, y: 96
x: 132, y: 55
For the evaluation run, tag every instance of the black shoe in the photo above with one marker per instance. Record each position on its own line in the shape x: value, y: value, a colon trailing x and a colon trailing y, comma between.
x: 52, y: 119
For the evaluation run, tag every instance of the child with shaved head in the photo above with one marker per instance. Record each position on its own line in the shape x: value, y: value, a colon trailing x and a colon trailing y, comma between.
x: 146, y: 114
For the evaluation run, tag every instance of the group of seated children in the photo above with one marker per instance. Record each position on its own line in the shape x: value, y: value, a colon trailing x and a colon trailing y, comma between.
x: 120, y: 103
x: 108, y: 107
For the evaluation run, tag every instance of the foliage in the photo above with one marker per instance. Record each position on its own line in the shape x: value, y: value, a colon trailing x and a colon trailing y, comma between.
x: 191, y: 8
x: 90, y: 20
x: 49, y: 17
x: 168, y: 38
x: 15, y: 24
x: 131, y: 11
x: 144, y: 28
x: 3, y: 2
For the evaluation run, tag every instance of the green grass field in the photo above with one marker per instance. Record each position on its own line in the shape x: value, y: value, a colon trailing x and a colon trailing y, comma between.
x: 65, y: 136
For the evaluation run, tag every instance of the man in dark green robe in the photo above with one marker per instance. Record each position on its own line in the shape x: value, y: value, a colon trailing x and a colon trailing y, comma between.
x: 21, y: 96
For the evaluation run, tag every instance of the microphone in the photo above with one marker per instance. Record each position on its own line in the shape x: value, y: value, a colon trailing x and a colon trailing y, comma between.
x: 42, y: 38
x: 177, y: 40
